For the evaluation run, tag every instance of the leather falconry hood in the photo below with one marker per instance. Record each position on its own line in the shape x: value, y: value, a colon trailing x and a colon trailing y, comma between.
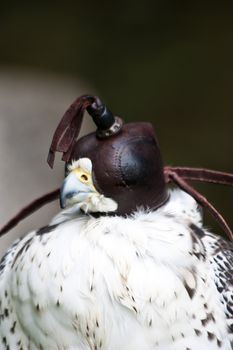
x: 126, y: 160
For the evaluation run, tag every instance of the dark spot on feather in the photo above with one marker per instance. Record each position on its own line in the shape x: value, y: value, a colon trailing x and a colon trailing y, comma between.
x: 229, y: 308
x: 219, y: 257
x: 6, y: 312
x: 222, y: 282
x: 209, y: 317
x: 3, y: 260
x: 229, y: 276
x: 24, y: 247
x: 220, y: 289
x: 227, y: 265
x: 135, y: 309
x: 198, y: 333
x: 27, y: 246
x: 199, y: 256
x: 189, y: 290
x: 210, y: 335
x: 197, y: 230
x: 46, y: 229
x: 230, y: 327
x: 12, y: 330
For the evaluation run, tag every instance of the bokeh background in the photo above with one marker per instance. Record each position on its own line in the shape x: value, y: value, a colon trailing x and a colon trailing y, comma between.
x: 168, y: 62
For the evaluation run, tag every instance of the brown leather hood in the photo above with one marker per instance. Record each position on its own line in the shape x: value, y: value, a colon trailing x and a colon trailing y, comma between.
x: 127, y: 167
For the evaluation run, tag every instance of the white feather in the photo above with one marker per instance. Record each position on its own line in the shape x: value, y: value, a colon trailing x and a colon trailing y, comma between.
x: 112, y: 283
x: 83, y: 163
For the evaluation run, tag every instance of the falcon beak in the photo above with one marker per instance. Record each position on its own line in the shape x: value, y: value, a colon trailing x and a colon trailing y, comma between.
x: 73, y: 191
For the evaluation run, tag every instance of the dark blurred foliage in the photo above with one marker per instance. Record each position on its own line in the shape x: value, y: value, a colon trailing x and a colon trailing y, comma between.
x: 170, y: 62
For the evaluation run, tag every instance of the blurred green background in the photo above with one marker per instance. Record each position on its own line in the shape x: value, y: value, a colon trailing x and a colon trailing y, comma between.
x: 170, y: 62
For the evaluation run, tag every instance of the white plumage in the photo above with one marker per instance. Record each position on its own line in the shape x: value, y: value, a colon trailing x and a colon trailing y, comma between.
x: 148, y: 281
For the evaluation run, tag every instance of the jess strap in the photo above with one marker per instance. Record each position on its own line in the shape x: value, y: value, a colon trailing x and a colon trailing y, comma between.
x: 176, y: 175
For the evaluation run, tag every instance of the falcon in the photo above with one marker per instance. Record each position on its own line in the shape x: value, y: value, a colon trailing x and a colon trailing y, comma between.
x: 127, y: 263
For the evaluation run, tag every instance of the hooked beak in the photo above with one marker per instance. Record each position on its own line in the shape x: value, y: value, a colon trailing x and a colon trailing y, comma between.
x: 73, y: 191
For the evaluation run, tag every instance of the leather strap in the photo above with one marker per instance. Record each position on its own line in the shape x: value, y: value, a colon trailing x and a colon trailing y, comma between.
x: 178, y: 175
x: 68, y: 129
x: 29, y: 209
x: 202, y: 175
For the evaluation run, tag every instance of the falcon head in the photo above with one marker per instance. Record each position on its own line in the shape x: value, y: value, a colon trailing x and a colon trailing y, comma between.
x: 126, y: 159
x: 78, y: 188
